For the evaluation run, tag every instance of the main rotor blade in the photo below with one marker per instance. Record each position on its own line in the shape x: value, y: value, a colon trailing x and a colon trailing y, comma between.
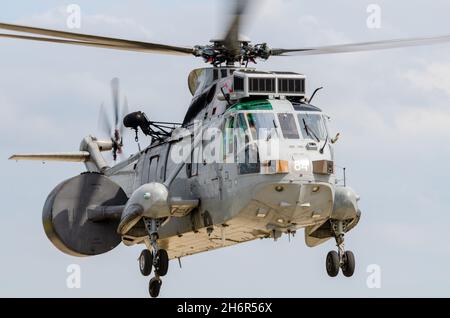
x: 364, y: 46
x: 93, y: 40
x: 231, y: 40
x: 61, y: 41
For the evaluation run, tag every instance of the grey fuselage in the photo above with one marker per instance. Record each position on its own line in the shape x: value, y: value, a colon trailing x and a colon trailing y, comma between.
x: 239, y: 200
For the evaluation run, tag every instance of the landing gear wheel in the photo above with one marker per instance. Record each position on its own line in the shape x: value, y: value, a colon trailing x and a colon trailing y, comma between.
x: 154, y: 287
x: 332, y: 263
x: 146, y: 262
x: 162, y: 263
x: 348, y: 268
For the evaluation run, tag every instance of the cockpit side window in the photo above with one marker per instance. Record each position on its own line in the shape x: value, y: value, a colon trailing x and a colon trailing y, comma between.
x: 262, y: 125
x: 241, y: 130
x: 247, y: 155
x: 229, y: 134
x: 288, y: 126
x: 241, y: 122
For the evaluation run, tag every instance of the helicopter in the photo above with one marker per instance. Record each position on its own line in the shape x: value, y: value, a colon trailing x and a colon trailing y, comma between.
x: 253, y: 158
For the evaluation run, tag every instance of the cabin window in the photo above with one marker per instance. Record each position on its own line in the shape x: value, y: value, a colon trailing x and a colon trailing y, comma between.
x: 153, y: 171
x: 313, y: 126
x: 210, y: 150
x: 165, y: 161
x: 192, y: 166
x: 288, y: 126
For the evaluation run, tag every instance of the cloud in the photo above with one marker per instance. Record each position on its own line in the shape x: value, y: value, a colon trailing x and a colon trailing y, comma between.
x: 410, y: 237
x: 430, y: 77
x: 97, y: 23
x: 424, y: 123
x: 318, y: 32
x: 15, y: 119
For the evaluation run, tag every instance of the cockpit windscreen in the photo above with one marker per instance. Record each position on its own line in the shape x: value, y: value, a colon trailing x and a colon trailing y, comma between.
x: 313, y: 126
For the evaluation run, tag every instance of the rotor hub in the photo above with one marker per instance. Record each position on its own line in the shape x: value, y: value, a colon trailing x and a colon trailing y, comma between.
x: 244, y: 52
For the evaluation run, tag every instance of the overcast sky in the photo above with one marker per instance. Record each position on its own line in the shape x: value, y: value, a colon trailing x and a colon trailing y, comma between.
x: 391, y: 107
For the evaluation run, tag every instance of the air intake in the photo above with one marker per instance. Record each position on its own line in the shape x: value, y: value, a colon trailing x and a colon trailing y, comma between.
x: 261, y: 85
x: 291, y: 85
x: 272, y: 84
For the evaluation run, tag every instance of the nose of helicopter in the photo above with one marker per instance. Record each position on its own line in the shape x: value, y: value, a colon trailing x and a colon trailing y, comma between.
x: 294, y: 203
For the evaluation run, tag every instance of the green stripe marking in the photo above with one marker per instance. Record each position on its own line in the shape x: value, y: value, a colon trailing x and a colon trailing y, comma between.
x: 252, y: 105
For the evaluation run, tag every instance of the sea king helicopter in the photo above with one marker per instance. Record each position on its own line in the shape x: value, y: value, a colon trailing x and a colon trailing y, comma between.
x: 252, y: 158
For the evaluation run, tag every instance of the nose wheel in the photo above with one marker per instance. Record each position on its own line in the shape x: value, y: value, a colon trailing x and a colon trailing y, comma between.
x: 157, y: 259
x: 342, y: 259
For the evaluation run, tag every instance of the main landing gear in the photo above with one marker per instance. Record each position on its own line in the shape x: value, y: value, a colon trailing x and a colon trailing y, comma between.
x: 156, y: 259
x: 342, y: 259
